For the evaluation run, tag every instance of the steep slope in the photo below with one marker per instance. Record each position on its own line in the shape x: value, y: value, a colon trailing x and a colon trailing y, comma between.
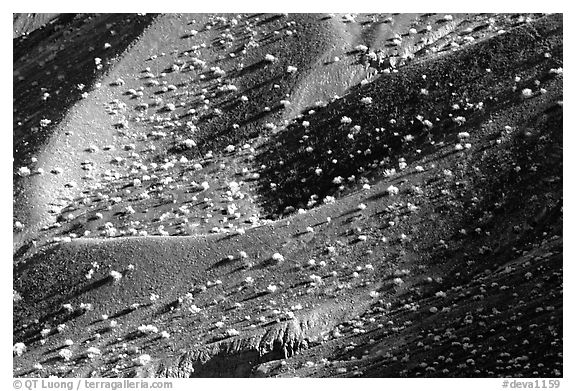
x: 403, y: 117
x: 55, y: 67
x: 188, y: 89
x: 23, y: 24
x: 100, y: 135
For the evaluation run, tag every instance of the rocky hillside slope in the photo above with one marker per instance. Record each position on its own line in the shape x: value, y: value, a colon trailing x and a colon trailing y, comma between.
x: 289, y: 195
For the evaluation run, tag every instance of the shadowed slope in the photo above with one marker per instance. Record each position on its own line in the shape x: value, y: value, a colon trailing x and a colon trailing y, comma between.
x: 57, y: 59
x: 54, y: 68
x: 409, y: 114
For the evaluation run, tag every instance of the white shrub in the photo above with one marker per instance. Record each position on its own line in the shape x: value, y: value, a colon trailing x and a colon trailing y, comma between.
x: 143, y: 359
x: 188, y: 143
x: 66, y: 354
x: 271, y: 288
x: 527, y: 93
x: 374, y: 294
x: 93, y: 352
x: 19, y: 348
x: 329, y: 200
x: 68, y: 307
x: 115, y: 275
x: 24, y: 171
x: 557, y: 71
x: 459, y: 120
x: 148, y: 329
x: 349, y: 18
x: 366, y: 100
x: 231, y: 209
x: 277, y: 257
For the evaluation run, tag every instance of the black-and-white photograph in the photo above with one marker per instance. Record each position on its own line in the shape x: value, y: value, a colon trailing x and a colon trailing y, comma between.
x: 272, y: 195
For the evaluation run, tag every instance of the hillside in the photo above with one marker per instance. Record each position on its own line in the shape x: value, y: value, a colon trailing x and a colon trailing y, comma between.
x: 23, y: 24
x: 372, y: 195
